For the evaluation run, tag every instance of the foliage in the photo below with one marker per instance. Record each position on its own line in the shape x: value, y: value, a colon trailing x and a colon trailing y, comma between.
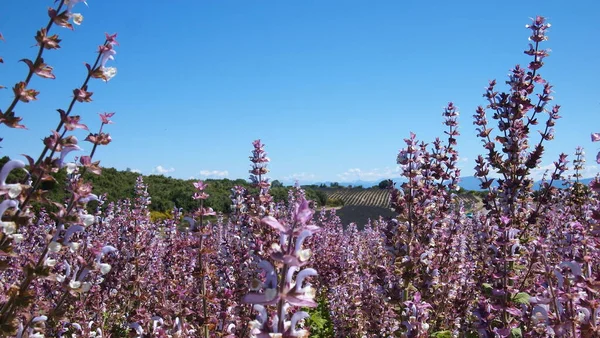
x: 385, y: 184
x: 160, y: 216
x: 335, y: 202
x: 319, y: 322
x: 79, y: 259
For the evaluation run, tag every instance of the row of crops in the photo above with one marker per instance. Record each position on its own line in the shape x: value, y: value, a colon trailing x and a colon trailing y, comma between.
x: 368, y: 197
x: 381, y: 197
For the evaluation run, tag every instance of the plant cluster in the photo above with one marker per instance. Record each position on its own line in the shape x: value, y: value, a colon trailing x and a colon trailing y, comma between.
x: 527, y: 264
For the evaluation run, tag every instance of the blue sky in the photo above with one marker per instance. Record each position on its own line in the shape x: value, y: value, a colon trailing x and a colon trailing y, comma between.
x: 331, y: 87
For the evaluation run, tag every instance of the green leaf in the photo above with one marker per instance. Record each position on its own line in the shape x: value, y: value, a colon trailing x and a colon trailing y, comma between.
x: 521, y: 298
x: 487, y: 288
x: 516, y: 333
x: 472, y: 334
x: 319, y: 322
x: 442, y: 334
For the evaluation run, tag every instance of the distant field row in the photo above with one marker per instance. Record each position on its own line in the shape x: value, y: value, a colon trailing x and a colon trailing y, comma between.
x: 367, y: 197
x: 380, y: 197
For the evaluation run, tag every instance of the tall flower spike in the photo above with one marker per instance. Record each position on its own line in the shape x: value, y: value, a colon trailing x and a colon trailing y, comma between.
x: 293, y: 231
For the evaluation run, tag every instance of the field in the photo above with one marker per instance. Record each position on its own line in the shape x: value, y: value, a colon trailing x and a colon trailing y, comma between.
x: 435, y: 261
x: 376, y: 197
x: 364, y: 205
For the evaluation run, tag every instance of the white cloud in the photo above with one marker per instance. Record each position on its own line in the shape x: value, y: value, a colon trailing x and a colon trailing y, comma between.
x: 537, y: 173
x: 300, y: 177
x: 162, y: 170
x: 590, y: 171
x: 354, y: 174
x: 214, y: 173
x: 587, y: 172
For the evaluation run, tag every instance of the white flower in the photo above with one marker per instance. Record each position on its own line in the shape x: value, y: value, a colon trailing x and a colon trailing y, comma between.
x: 77, y: 18
x: 73, y: 246
x: 17, y: 238
x: 88, y: 219
x: 9, y: 228
x: 73, y: 284
x: 50, y: 262
x: 54, y: 247
x: 72, y: 3
x: 71, y: 166
x: 109, y: 73
x: 14, y: 190
x: 105, y: 268
x: 304, y: 255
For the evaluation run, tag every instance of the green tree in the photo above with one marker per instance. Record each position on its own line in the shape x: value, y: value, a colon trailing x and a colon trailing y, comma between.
x: 385, y: 184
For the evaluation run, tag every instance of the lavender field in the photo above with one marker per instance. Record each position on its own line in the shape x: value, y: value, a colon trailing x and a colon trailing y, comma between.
x: 523, y: 263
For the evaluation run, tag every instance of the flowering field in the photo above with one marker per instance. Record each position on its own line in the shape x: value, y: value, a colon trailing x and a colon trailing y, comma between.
x: 526, y: 265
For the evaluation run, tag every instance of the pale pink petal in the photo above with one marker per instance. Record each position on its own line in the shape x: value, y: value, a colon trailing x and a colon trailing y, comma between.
x: 274, y: 223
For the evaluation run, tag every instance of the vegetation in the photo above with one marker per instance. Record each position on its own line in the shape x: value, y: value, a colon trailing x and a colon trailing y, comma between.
x: 167, y: 192
x: 76, y: 259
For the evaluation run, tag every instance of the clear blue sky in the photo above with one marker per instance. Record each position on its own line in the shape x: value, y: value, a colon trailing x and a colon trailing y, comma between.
x: 331, y: 87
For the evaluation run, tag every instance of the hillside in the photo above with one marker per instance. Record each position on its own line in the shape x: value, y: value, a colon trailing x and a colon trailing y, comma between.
x: 168, y: 192
x: 367, y: 197
x: 375, y: 197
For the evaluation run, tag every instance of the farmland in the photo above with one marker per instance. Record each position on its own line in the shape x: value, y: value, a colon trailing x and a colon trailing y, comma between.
x: 376, y: 197
x: 91, y: 251
x: 367, y: 197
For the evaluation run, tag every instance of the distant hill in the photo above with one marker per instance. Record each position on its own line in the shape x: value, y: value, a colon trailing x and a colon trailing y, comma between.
x: 472, y: 183
x: 560, y: 184
x: 466, y: 182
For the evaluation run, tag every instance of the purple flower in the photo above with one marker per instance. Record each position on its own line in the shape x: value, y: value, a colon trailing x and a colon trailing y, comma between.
x: 200, y: 185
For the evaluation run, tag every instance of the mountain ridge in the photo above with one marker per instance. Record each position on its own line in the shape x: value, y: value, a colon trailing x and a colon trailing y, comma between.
x: 466, y: 182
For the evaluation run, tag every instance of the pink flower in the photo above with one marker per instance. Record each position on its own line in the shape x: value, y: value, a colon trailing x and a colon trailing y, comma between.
x: 72, y: 122
x: 595, y: 137
x: 200, y: 185
x: 105, y: 117
x: 111, y: 39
